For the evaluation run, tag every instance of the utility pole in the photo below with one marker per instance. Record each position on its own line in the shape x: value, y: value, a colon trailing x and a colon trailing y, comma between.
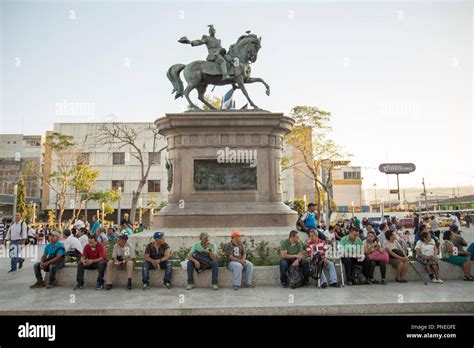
x: 119, y: 211
x: 426, y: 197
x: 375, y: 187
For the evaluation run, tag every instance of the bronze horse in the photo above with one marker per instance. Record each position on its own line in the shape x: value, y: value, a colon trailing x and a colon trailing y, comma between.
x: 199, y: 74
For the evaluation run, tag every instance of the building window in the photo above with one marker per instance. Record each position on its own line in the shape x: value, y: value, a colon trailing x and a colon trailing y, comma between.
x: 117, y: 183
x: 154, y: 158
x: 153, y: 185
x: 118, y: 158
x: 83, y: 158
x: 351, y: 175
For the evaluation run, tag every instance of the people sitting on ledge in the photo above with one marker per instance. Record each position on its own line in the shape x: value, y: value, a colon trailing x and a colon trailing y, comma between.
x: 237, y: 262
x: 292, y: 255
x: 123, y: 256
x: 427, y: 255
x: 397, y: 257
x: 93, y: 257
x: 53, y: 259
x: 157, y: 255
x: 451, y: 255
x: 352, y: 254
x: 317, y: 246
x: 203, y: 256
x: 376, y: 256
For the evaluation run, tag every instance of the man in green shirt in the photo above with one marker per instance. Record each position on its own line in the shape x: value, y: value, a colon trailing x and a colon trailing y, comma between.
x: 292, y: 254
x: 203, y: 252
x: 352, y: 253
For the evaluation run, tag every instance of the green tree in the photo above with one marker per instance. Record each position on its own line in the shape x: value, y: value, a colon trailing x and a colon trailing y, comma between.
x: 314, y: 151
x: 21, y: 198
x: 65, y: 154
x: 83, y: 179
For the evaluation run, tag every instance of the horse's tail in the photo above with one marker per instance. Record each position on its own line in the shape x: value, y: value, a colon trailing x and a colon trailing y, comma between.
x: 173, y: 76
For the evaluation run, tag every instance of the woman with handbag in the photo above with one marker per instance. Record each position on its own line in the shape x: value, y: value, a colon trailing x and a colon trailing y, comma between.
x: 397, y: 258
x: 377, y: 256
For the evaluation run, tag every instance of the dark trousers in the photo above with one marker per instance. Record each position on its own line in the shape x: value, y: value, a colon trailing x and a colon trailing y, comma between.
x: 100, y: 266
x: 214, y: 268
x: 166, y: 265
x: 383, y: 268
x: 52, y: 268
x: 349, y: 263
x: 286, y: 263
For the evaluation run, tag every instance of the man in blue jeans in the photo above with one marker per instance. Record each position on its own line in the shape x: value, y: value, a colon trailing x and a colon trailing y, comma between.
x: 51, y: 261
x: 17, y: 235
x: 157, y: 254
x: 237, y: 262
x: 292, y: 255
x: 206, y: 252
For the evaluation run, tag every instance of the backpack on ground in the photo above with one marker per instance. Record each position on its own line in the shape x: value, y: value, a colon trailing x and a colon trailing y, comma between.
x: 358, y: 277
x: 295, y: 277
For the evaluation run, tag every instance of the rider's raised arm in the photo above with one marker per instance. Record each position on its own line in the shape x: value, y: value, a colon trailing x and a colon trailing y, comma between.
x: 199, y: 42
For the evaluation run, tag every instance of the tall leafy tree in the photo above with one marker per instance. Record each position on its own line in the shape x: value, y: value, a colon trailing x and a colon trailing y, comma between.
x: 21, y: 198
x: 315, y: 153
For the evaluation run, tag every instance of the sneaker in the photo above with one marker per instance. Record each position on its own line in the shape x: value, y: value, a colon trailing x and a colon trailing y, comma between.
x: 235, y: 287
x: 190, y: 287
x: 51, y: 285
x: 374, y: 281
x: 11, y: 270
x: 215, y: 287
x: 434, y: 280
x: 99, y: 286
x: 324, y: 285
x: 250, y: 286
x: 20, y: 265
x: 168, y: 285
x: 38, y: 284
x: 109, y: 287
x: 383, y: 282
x: 334, y: 285
x: 145, y: 286
x: 129, y: 286
x: 78, y: 287
x: 439, y: 281
x: 283, y: 286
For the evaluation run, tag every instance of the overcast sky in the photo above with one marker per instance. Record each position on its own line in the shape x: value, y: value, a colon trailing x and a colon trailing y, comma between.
x: 397, y: 77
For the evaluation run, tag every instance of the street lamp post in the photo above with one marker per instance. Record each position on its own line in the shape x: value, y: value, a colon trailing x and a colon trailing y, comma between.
x: 119, y: 212
x: 375, y: 188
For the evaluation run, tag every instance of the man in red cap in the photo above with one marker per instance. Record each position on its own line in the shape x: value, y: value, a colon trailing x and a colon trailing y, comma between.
x: 237, y: 263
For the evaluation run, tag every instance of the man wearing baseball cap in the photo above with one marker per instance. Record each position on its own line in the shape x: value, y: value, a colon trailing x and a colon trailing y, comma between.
x: 52, y: 260
x: 459, y: 242
x: 157, y: 254
x: 123, y: 255
x: 237, y: 263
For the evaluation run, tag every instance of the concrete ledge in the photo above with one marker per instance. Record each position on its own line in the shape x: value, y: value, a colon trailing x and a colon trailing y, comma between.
x: 262, y: 276
x: 322, y: 309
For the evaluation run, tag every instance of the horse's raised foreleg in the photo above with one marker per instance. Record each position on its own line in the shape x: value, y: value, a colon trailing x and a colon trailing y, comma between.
x: 241, y: 84
x: 258, y: 79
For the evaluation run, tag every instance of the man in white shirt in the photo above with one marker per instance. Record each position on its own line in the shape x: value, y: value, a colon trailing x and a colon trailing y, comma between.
x: 82, y: 237
x: 80, y: 223
x: 17, y: 234
x: 72, y: 245
x: 455, y: 220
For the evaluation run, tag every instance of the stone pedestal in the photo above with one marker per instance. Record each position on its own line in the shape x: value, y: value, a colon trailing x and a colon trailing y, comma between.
x: 225, y: 169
